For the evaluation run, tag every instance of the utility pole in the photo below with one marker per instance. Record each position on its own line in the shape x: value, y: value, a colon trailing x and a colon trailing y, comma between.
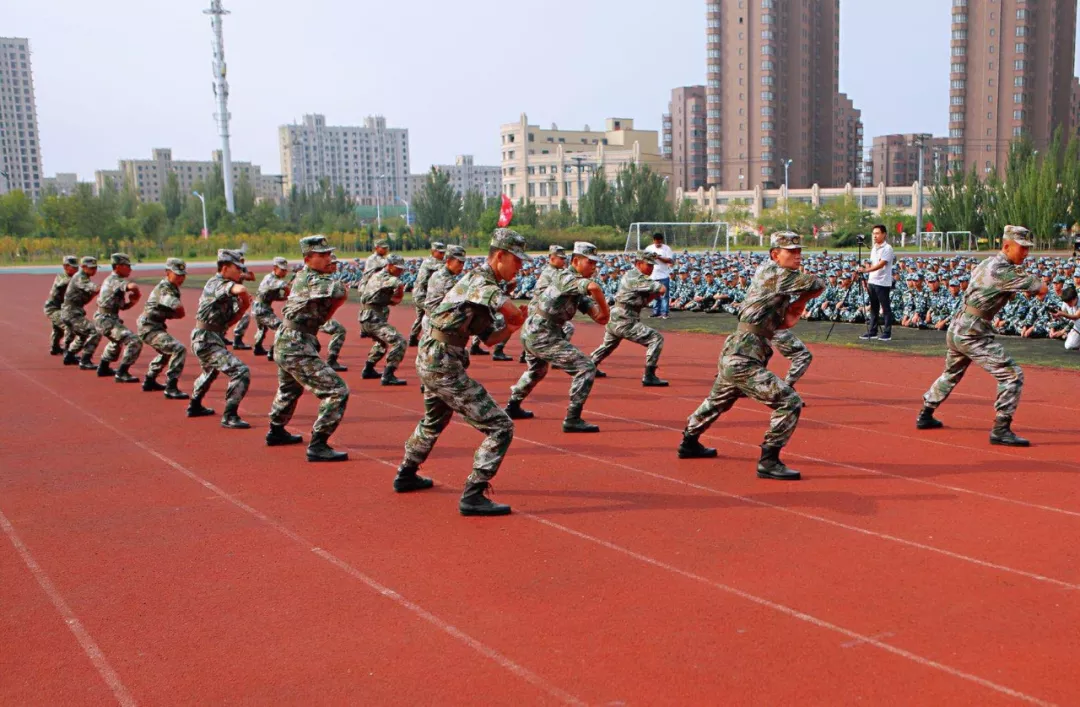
x: 919, y: 142
x: 221, y: 92
x: 580, y: 160
x: 787, y: 192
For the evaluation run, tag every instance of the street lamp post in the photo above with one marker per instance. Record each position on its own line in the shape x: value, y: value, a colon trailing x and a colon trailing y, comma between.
x: 408, y: 221
x: 787, y: 193
x: 205, y: 230
x: 378, y: 200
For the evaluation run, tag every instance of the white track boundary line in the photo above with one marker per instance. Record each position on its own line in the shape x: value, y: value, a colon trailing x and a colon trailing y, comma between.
x: 381, y: 589
x: 89, y: 646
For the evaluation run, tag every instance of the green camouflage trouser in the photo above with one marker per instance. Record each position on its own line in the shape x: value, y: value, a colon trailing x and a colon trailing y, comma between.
x: 84, y: 334
x: 418, y: 323
x: 265, y: 319
x: 546, y: 346
x: 336, y: 330
x: 242, y: 326
x: 388, y: 342
x: 448, y: 389
x: 619, y: 328
x: 740, y: 377
x: 214, y: 358
x: 169, y: 351
x: 300, y: 369
x: 792, y: 348
x: 59, y: 329
x: 119, y: 336
x: 983, y: 350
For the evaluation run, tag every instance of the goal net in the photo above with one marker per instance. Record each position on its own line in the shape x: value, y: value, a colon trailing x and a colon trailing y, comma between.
x: 681, y: 235
x: 959, y: 242
x: 929, y: 239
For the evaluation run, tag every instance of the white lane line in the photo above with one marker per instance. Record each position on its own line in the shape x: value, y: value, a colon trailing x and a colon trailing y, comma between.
x: 89, y: 645
x: 381, y: 589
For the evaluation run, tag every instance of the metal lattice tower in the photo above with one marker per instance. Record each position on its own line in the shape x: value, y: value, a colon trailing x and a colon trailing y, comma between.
x: 221, y: 92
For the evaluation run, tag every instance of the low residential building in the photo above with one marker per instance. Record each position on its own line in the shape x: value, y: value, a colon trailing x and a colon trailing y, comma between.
x: 63, y: 184
x: 684, y: 137
x: 895, y: 160
x: 465, y: 176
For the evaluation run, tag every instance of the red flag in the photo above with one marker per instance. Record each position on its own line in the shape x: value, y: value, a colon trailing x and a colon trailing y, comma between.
x: 761, y: 229
x: 506, y: 214
x: 899, y: 226
x: 930, y: 226
x: 815, y: 230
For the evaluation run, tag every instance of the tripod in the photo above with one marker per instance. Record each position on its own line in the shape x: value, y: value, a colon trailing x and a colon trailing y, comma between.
x: 858, y: 278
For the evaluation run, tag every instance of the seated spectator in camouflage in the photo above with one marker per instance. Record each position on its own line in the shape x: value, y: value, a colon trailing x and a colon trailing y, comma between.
x: 1036, y: 324
x: 55, y: 303
x: 382, y: 290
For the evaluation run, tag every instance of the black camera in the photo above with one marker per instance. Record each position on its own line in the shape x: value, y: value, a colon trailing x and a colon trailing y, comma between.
x: 861, y: 240
x: 1076, y: 245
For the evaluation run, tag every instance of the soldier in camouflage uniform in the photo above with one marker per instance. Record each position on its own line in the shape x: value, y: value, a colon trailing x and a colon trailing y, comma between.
x: 273, y: 288
x: 315, y: 296
x: 499, y: 352
x: 792, y: 348
x: 635, y: 293
x: 337, y: 332
x: 223, y: 302
x: 777, y: 296
x: 428, y: 267
x: 373, y: 264
x: 162, y: 305
x: 476, y: 306
x: 443, y: 280
x: 545, y: 340
x: 245, y: 319
x: 117, y: 294
x: 85, y: 335
x: 970, y: 337
x: 378, y: 293
x: 56, y: 302
x: 556, y: 263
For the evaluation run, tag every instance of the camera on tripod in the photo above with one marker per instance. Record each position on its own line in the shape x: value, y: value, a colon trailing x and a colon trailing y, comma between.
x: 861, y: 240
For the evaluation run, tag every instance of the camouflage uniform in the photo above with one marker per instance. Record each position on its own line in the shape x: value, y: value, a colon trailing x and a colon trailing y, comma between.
x: 792, y: 348
x: 53, y: 308
x: 337, y: 332
x: 375, y: 296
x: 745, y: 357
x: 217, y: 306
x: 634, y: 293
x: 971, y: 338
x: 547, y: 344
x: 271, y: 289
x: 160, y: 307
x: 296, y: 351
x: 429, y: 267
x: 81, y: 289
x: 110, y: 302
x: 546, y: 276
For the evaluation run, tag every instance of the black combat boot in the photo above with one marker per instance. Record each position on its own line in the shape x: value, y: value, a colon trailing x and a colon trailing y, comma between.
x: 123, y: 375
x: 500, y: 354
x: 334, y: 365
x: 475, y: 350
x: 408, y: 480
x: 770, y: 466
x: 270, y: 354
x: 692, y: 448
x: 70, y: 359
x: 104, y: 370
x: 172, y: 392
x: 574, y: 424
x: 231, y: 419
x: 414, y: 341
x: 86, y: 363
x: 474, y: 502
x: 278, y: 436
x: 259, y: 350
x: 600, y: 374
x: 319, y: 451
x: 927, y: 421
x: 239, y: 345
x: 521, y: 358
x: 369, y: 372
x: 55, y: 350
x: 649, y: 380
x: 150, y: 384
x: 1002, y: 434
x: 195, y: 408
x: 516, y: 412
x: 388, y: 377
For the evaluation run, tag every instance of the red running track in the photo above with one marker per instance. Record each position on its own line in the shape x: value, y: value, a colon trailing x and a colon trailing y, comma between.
x: 149, y: 558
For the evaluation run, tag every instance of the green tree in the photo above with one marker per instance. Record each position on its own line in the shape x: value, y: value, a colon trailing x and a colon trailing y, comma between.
x: 472, y: 209
x: 17, y: 215
x: 171, y: 198
x: 437, y: 205
x: 597, y: 206
x: 526, y: 213
x: 244, y: 196
x: 640, y: 195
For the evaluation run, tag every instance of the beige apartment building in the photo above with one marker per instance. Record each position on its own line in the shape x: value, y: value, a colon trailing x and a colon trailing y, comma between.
x: 63, y: 184
x: 465, y: 176
x: 20, y: 141
x: 148, y: 177
x: 1011, y: 76
x: 684, y: 137
x: 546, y: 166
x: 772, y: 78
x: 895, y: 160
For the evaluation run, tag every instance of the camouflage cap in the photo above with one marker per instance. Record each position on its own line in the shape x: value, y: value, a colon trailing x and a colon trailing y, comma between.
x: 557, y: 250
x: 91, y: 262
x: 787, y: 240
x: 931, y: 277
x: 71, y: 260
x: 509, y: 240
x: 176, y: 265
x: 456, y: 252
x: 587, y: 250
x: 438, y: 247
x: 120, y: 259
x: 382, y: 243
x: 1020, y: 235
x: 232, y: 257
x: 954, y: 283
x: 648, y: 256
x: 315, y: 244
x: 281, y: 263
x: 395, y: 259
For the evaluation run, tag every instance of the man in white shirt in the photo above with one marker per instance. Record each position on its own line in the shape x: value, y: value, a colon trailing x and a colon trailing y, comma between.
x: 1071, y: 311
x: 880, y: 270
x: 665, y: 258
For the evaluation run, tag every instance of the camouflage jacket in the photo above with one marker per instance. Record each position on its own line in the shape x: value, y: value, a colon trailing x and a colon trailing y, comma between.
x: 271, y: 289
x: 80, y: 291
x: 309, y: 306
x: 111, y: 299
x: 557, y: 303
x: 160, y: 307
x: 428, y: 267
x: 994, y: 281
x: 375, y: 296
x: 374, y: 263
x: 471, y: 308
x: 217, y: 304
x: 56, y: 294
x: 544, y: 279
x: 633, y: 294
x: 440, y: 283
x: 770, y: 293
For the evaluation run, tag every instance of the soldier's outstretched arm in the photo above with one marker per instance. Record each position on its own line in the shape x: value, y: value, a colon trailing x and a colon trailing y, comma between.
x: 796, y: 308
x: 244, y: 296
x: 599, y: 312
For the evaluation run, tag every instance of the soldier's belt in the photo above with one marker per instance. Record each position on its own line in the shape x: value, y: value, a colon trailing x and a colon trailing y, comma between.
x: 207, y: 326
x: 448, y: 338
x: 311, y: 329
x: 977, y: 313
x: 762, y: 331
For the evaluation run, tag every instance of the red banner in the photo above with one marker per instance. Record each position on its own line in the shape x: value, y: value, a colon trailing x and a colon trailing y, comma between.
x: 506, y: 214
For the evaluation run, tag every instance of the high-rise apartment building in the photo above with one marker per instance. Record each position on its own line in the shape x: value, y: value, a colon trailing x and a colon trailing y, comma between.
x: 684, y: 137
x: 485, y: 180
x: 148, y: 177
x: 773, y: 69
x: 895, y: 160
x: 370, y: 162
x: 20, y: 142
x: 848, y: 134
x: 1011, y: 76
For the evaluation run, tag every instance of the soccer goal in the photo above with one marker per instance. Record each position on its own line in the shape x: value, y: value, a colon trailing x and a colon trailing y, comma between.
x: 959, y: 242
x: 930, y: 240
x: 681, y: 235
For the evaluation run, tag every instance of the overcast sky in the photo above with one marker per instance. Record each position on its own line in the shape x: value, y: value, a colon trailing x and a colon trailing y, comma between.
x: 116, y: 79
